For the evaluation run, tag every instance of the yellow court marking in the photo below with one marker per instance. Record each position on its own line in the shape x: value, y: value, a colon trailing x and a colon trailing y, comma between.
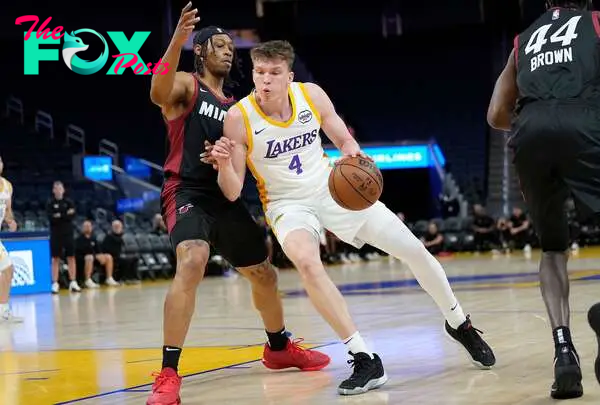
x: 67, y: 375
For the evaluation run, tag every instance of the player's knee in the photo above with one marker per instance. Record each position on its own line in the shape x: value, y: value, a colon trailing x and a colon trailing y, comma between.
x: 88, y: 258
x: 192, y: 257
x: 310, y: 268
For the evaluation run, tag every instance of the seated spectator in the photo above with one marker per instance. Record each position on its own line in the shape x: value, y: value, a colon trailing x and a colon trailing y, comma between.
x: 574, y: 225
x: 484, y: 229
x: 433, y: 239
x: 520, y: 230
x: 126, y: 265
x: 158, y: 225
x: 504, y: 232
x: 450, y: 205
x: 88, y: 251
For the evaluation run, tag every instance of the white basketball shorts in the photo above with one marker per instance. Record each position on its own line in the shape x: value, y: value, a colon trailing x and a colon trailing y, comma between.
x: 321, y: 211
x: 5, y: 261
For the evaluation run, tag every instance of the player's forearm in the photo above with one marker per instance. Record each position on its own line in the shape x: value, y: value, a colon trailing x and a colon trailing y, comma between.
x: 162, y: 84
x: 229, y: 182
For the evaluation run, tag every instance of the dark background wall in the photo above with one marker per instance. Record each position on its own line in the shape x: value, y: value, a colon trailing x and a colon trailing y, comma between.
x: 433, y: 81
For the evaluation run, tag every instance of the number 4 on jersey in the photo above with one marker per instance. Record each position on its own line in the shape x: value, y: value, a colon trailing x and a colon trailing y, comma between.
x: 565, y: 34
x: 295, y: 164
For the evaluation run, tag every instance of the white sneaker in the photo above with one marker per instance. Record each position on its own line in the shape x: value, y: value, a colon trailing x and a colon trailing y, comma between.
x: 8, y: 317
x: 111, y: 282
x: 344, y: 258
x: 74, y: 287
x: 55, y: 288
x: 89, y: 283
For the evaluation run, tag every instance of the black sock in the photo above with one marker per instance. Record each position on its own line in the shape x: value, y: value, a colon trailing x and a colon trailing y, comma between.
x: 171, y: 357
x: 278, y: 340
x: 562, y: 336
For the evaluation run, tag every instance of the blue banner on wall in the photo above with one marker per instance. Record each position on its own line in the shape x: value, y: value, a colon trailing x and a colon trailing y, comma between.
x: 31, y: 261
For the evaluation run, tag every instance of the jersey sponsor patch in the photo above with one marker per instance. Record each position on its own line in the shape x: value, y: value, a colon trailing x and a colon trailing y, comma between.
x: 305, y: 116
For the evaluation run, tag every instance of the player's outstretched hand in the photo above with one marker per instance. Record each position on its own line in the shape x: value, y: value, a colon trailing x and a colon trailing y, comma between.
x: 185, y: 25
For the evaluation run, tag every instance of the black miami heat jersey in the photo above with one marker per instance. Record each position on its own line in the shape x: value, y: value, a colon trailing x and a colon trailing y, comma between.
x: 203, y: 121
x: 558, y: 57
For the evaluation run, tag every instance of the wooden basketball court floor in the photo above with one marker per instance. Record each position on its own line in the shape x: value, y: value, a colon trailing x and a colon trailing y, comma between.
x: 101, y: 347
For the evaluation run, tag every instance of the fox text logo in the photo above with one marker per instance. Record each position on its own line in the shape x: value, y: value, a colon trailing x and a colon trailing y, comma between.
x: 128, y: 55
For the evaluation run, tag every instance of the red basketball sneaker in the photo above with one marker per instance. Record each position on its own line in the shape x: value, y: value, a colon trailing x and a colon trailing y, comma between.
x: 294, y: 356
x: 165, y: 390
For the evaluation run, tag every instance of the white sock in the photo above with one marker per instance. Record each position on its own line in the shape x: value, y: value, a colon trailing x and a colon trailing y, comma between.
x: 4, y: 308
x: 387, y: 232
x: 356, y: 344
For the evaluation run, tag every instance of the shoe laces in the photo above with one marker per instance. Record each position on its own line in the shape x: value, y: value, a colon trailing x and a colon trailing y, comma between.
x: 163, y: 380
x: 471, y: 333
x: 296, y: 348
x: 359, y: 365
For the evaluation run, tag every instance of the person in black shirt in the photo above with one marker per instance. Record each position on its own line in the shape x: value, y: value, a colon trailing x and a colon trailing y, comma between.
x: 126, y: 265
x: 61, y: 212
x: 88, y: 250
x: 520, y: 229
x: 433, y: 239
x: 484, y: 228
x: 548, y: 96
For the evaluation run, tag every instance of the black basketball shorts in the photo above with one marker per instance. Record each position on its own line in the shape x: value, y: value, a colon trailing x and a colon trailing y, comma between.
x: 227, y: 226
x: 556, y: 150
x: 62, y: 244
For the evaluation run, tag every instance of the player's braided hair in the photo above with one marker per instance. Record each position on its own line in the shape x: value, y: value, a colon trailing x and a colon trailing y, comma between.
x: 582, y: 4
x: 199, y: 59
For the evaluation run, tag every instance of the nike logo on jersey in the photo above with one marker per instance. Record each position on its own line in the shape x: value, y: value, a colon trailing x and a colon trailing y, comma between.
x: 276, y: 148
x: 212, y: 111
x: 259, y: 131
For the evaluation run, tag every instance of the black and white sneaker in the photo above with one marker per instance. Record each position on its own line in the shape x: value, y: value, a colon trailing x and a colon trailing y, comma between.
x: 567, y: 373
x: 368, y: 374
x: 480, y: 352
x: 594, y: 321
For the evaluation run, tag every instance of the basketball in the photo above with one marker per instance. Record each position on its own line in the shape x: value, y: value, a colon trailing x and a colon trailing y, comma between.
x: 355, y: 183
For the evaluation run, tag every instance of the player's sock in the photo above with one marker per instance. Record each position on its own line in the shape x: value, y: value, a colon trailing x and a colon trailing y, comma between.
x: 171, y: 357
x: 278, y: 340
x: 562, y: 336
x: 4, y: 308
x: 356, y: 344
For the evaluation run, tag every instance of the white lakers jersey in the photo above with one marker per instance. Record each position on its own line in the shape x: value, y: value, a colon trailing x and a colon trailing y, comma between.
x: 5, y: 196
x: 286, y: 158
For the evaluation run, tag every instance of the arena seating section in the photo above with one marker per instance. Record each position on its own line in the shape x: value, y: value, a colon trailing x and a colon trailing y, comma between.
x: 32, y: 162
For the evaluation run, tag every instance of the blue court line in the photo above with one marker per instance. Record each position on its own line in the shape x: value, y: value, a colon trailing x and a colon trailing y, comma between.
x: 348, y: 289
x: 137, y: 387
